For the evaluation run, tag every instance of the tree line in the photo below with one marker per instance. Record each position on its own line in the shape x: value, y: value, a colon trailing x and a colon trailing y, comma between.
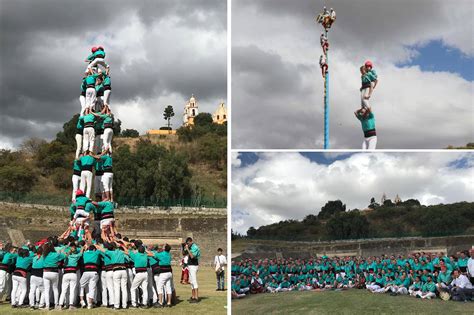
x: 408, y: 218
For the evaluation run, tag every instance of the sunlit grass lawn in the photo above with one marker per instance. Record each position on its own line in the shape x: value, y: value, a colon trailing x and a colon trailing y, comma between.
x: 345, y: 302
x: 212, y: 301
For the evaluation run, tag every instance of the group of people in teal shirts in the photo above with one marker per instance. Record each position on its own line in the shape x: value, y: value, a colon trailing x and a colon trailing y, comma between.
x: 365, y: 113
x: 422, y: 275
x: 118, y: 273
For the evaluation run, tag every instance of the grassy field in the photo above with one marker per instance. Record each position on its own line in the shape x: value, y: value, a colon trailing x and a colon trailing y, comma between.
x: 345, y: 302
x: 212, y: 301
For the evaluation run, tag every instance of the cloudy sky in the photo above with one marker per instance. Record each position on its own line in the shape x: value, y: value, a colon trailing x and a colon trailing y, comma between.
x: 270, y: 187
x: 422, y: 50
x: 160, y: 52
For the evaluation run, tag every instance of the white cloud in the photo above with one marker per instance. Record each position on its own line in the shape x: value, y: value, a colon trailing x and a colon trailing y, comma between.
x: 290, y: 186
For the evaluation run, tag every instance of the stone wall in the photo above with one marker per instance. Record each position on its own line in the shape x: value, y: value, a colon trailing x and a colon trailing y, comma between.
x: 370, y: 247
x: 208, y: 227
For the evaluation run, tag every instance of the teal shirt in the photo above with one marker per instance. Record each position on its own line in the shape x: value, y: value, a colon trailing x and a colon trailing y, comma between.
x: 87, y: 161
x: 99, y: 54
x: 195, y: 251
x: 445, y: 277
x: 99, y: 167
x: 107, y: 120
x: 91, y: 257
x: 9, y: 258
x: 106, y: 79
x: 106, y: 207
x: 164, y: 258
x: 83, y: 86
x: 367, y: 123
x: 89, y: 118
x: 80, y: 125
x: 116, y: 256
x: 37, y: 262
x: 140, y: 260
x: 90, y: 79
x: 53, y: 259
x: 371, y: 75
x: 77, y: 166
x: 73, y: 260
x: 82, y: 201
x: 24, y: 262
x: 107, y: 160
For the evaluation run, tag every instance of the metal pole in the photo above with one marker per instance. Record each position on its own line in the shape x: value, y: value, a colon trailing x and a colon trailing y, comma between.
x: 326, y: 102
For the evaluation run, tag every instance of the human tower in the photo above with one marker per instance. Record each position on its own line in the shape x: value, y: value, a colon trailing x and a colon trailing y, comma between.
x: 90, y: 266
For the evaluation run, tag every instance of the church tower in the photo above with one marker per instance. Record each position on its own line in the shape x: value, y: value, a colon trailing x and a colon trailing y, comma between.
x: 190, y: 111
x: 397, y: 200
x: 384, y: 198
x: 220, y: 115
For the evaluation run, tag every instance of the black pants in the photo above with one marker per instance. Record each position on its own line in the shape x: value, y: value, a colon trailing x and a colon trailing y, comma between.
x: 220, y: 280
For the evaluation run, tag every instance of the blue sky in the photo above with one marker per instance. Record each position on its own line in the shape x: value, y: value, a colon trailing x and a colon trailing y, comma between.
x: 249, y: 158
x: 434, y: 56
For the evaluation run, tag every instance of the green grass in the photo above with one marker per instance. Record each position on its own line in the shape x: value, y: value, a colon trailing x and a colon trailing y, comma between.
x: 345, y: 302
x: 212, y: 302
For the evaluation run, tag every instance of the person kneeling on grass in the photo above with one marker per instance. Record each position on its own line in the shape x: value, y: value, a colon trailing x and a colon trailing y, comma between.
x: 272, y: 286
x: 256, y: 284
x: 236, y: 289
x: 428, y: 289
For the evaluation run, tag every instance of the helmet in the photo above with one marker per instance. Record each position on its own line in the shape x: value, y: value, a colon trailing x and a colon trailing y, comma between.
x: 93, y: 49
x: 79, y: 192
x: 368, y: 63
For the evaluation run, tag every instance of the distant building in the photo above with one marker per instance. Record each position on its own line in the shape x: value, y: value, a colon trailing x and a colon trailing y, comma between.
x: 220, y: 115
x: 191, y: 110
x: 397, y: 200
x: 384, y: 198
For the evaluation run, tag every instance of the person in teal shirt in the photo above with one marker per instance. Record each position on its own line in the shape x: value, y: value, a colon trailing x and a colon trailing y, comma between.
x: 51, y: 260
x: 367, y: 120
x: 108, y: 131
x: 108, y: 176
x: 97, y: 58
x: 91, y: 260
x: 88, y: 134
x: 79, y: 135
x: 87, y: 165
x: 19, y: 277
x: 70, y: 274
x: 428, y: 289
x: 193, y: 265
x: 140, y: 261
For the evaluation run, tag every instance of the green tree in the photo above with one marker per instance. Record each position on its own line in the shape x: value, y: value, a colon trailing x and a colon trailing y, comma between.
x: 168, y: 114
x: 213, y: 149
x: 203, y: 120
x: 53, y: 155
x: 331, y: 208
x: 68, y: 135
x: 130, y: 133
x: 16, y: 179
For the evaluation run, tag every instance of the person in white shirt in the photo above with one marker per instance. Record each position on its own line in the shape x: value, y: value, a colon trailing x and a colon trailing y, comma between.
x: 220, y: 263
x: 470, y: 266
x: 461, y: 287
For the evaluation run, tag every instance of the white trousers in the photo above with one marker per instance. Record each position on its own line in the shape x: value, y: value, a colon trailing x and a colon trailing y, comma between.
x: 110, y: 287
x: 69, y: 281
x: 369, y: 143
x: 89, y: 279
x: 91, y: 98
x: 96, y: 62
x: 107, y: 180
x: 120, y: 286
x: 363, y: 101
x: 103, y: 285
x: 165, y: 282
x: 88, y: 139
x: 98, y: 188
x: 86, y: 181
x: 36, y: 291
x: 19, y: 289
x: 193, y: 276
x: 107, y: 97
x: 152, y: 286
x: 99, y: 104
x: 50, y: 280
x: 82, y: 100
x: 78, y: 145
x: 139, y: 281
x: 76, y: 182
x: 107, y: 139
x: 4, y: 283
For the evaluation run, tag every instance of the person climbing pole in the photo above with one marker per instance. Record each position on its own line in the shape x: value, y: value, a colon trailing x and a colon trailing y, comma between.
x: 324, y: 43
x: 323, y: 65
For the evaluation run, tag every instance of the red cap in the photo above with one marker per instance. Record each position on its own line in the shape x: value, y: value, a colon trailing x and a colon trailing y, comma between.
x: 79, y: 192
x: 368, y: 63
x: 93, y: 49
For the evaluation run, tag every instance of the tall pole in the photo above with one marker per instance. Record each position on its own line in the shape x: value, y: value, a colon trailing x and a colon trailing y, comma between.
x: 326, y: 101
